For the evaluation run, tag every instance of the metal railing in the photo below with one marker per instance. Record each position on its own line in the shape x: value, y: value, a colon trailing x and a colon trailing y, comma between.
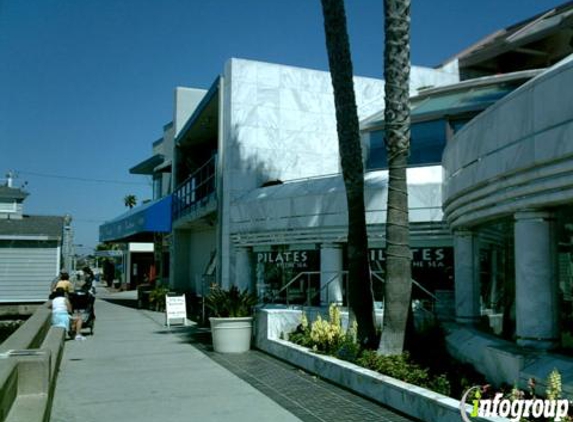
x: 196, y: 190
x: 306, y: 287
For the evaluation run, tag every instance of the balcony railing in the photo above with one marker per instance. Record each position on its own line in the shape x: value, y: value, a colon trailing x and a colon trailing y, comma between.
x: 196, y: 191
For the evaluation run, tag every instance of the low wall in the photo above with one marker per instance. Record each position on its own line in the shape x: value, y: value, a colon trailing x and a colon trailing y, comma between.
x: 409, y: 399
x: 29, y: 362
x: 503, y: 362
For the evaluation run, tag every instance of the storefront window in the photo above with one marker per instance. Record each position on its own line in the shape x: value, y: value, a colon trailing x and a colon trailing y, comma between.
x: 565, y: 276
x: 432, y: 270
x: 288, y: 275
x: 497, y: 278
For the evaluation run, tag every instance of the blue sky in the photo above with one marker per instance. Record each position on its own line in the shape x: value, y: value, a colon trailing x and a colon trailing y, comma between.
x: 87, y: 85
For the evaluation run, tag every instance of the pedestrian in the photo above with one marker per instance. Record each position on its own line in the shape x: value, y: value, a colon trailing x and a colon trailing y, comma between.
x: 64, y: 282
x: 61, y: 309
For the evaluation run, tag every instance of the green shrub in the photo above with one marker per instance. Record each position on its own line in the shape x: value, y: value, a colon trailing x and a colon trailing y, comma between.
x: 157, y: 297
x: 402, y: 368
x: 232, y: 303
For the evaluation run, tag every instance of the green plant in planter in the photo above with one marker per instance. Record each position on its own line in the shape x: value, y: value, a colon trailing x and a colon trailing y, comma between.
x: 232, y: 303
x: 157, y: 297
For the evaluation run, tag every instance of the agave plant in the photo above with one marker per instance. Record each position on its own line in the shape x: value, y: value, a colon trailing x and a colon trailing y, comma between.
x: 232, y: 303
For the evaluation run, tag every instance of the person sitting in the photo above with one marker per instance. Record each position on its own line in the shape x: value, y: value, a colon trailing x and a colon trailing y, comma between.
x: 64, y: 283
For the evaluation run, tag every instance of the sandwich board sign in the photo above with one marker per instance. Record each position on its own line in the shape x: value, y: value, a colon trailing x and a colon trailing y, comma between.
x: 175, y: 309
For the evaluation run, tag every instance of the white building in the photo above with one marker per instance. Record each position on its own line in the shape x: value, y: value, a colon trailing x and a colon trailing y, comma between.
x: 258, y: 179
x: 30, y: 250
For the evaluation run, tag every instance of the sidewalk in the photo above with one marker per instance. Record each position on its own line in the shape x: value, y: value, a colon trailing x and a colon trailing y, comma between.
x: 135, y: 369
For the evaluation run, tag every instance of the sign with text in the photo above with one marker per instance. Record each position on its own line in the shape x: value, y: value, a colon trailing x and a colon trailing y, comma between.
x: 285, y: 259
x: 433, y: 267
x: 175, y: 308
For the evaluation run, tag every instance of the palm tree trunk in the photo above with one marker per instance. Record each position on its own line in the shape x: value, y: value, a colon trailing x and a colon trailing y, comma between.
x: 360, y: 296
x: 398, y: 286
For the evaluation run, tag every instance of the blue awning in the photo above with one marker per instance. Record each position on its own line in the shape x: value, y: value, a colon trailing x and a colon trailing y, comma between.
x: 139, y: 223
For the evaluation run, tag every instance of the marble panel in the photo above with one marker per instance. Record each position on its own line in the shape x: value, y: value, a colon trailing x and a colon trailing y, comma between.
x: 423, y: 77
x: 552, y: 97
x: 485, y: 169
x: 244, y: 115
x: 369, y: 96
x: 243, y: 70
x: 554, y: 143
x: 306, y: 101
x: 245, y: 93
x: 317, y: 81
x: 300, y: 120
x: 244, y: 136
x: 269, y: 138
x: 267, y: 96
x: 516, y: 157
x: 300, y: 141
x: 268, y: 75
x: 507, y: 121
x: 268, y: 116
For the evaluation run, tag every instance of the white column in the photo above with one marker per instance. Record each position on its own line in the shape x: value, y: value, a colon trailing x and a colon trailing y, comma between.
x: 536, y: 280
x: 243, y: 269
x: 467, y: 282
x: 330, y: 273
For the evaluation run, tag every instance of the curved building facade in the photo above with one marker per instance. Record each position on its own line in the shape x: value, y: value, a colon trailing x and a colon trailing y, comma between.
x: 508, y: 197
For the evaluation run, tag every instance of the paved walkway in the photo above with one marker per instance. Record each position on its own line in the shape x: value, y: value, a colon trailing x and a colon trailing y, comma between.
x: 135, y: 369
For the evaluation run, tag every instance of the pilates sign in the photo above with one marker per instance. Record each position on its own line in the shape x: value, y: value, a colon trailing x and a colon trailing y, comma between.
x: 285, y: 259
x: 422, y: 258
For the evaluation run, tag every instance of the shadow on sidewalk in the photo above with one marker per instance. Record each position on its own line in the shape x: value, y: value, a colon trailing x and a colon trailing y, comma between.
x: 127, y: 302
x: 306, y: 396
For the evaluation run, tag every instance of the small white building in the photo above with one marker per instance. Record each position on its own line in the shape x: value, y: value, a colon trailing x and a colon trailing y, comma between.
x: 30, y: 250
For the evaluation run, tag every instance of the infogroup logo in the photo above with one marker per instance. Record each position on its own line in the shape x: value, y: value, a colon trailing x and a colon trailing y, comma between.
x: 515, y: 409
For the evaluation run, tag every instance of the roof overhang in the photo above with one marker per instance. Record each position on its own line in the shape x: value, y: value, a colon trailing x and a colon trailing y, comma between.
x: 202, y: 126
x: 147, y: 166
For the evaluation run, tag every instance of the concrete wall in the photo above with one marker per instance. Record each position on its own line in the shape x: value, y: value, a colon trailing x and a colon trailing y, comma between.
x: 28, y: 369
x: 417, y: 402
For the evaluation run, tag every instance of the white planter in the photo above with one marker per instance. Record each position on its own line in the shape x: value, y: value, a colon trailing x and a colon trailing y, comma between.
x: 231, y: 335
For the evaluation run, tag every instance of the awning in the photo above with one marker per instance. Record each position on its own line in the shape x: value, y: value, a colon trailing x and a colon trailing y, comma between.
x: 139, y: 224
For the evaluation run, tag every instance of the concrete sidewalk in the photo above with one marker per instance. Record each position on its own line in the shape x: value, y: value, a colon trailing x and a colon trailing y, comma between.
x: 135, y: 369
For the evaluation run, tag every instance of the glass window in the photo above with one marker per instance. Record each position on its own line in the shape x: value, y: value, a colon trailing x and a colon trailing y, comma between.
x: 157, y: 187
x: 426, y: 146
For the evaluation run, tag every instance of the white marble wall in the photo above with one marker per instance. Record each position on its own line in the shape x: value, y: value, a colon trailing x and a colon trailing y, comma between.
x: 282, y: 120
x: 515, y: 155
x: 278, y: 122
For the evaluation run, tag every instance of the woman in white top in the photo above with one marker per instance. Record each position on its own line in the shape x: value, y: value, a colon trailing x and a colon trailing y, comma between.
x: 61, y: 309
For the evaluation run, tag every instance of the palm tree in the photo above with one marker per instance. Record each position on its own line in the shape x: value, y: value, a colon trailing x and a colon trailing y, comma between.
x: 398, y: 286
x: 360, y: 296
x: 130, y: 201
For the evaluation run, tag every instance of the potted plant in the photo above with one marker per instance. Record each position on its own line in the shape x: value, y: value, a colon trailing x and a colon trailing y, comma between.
x: 232, y: 320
